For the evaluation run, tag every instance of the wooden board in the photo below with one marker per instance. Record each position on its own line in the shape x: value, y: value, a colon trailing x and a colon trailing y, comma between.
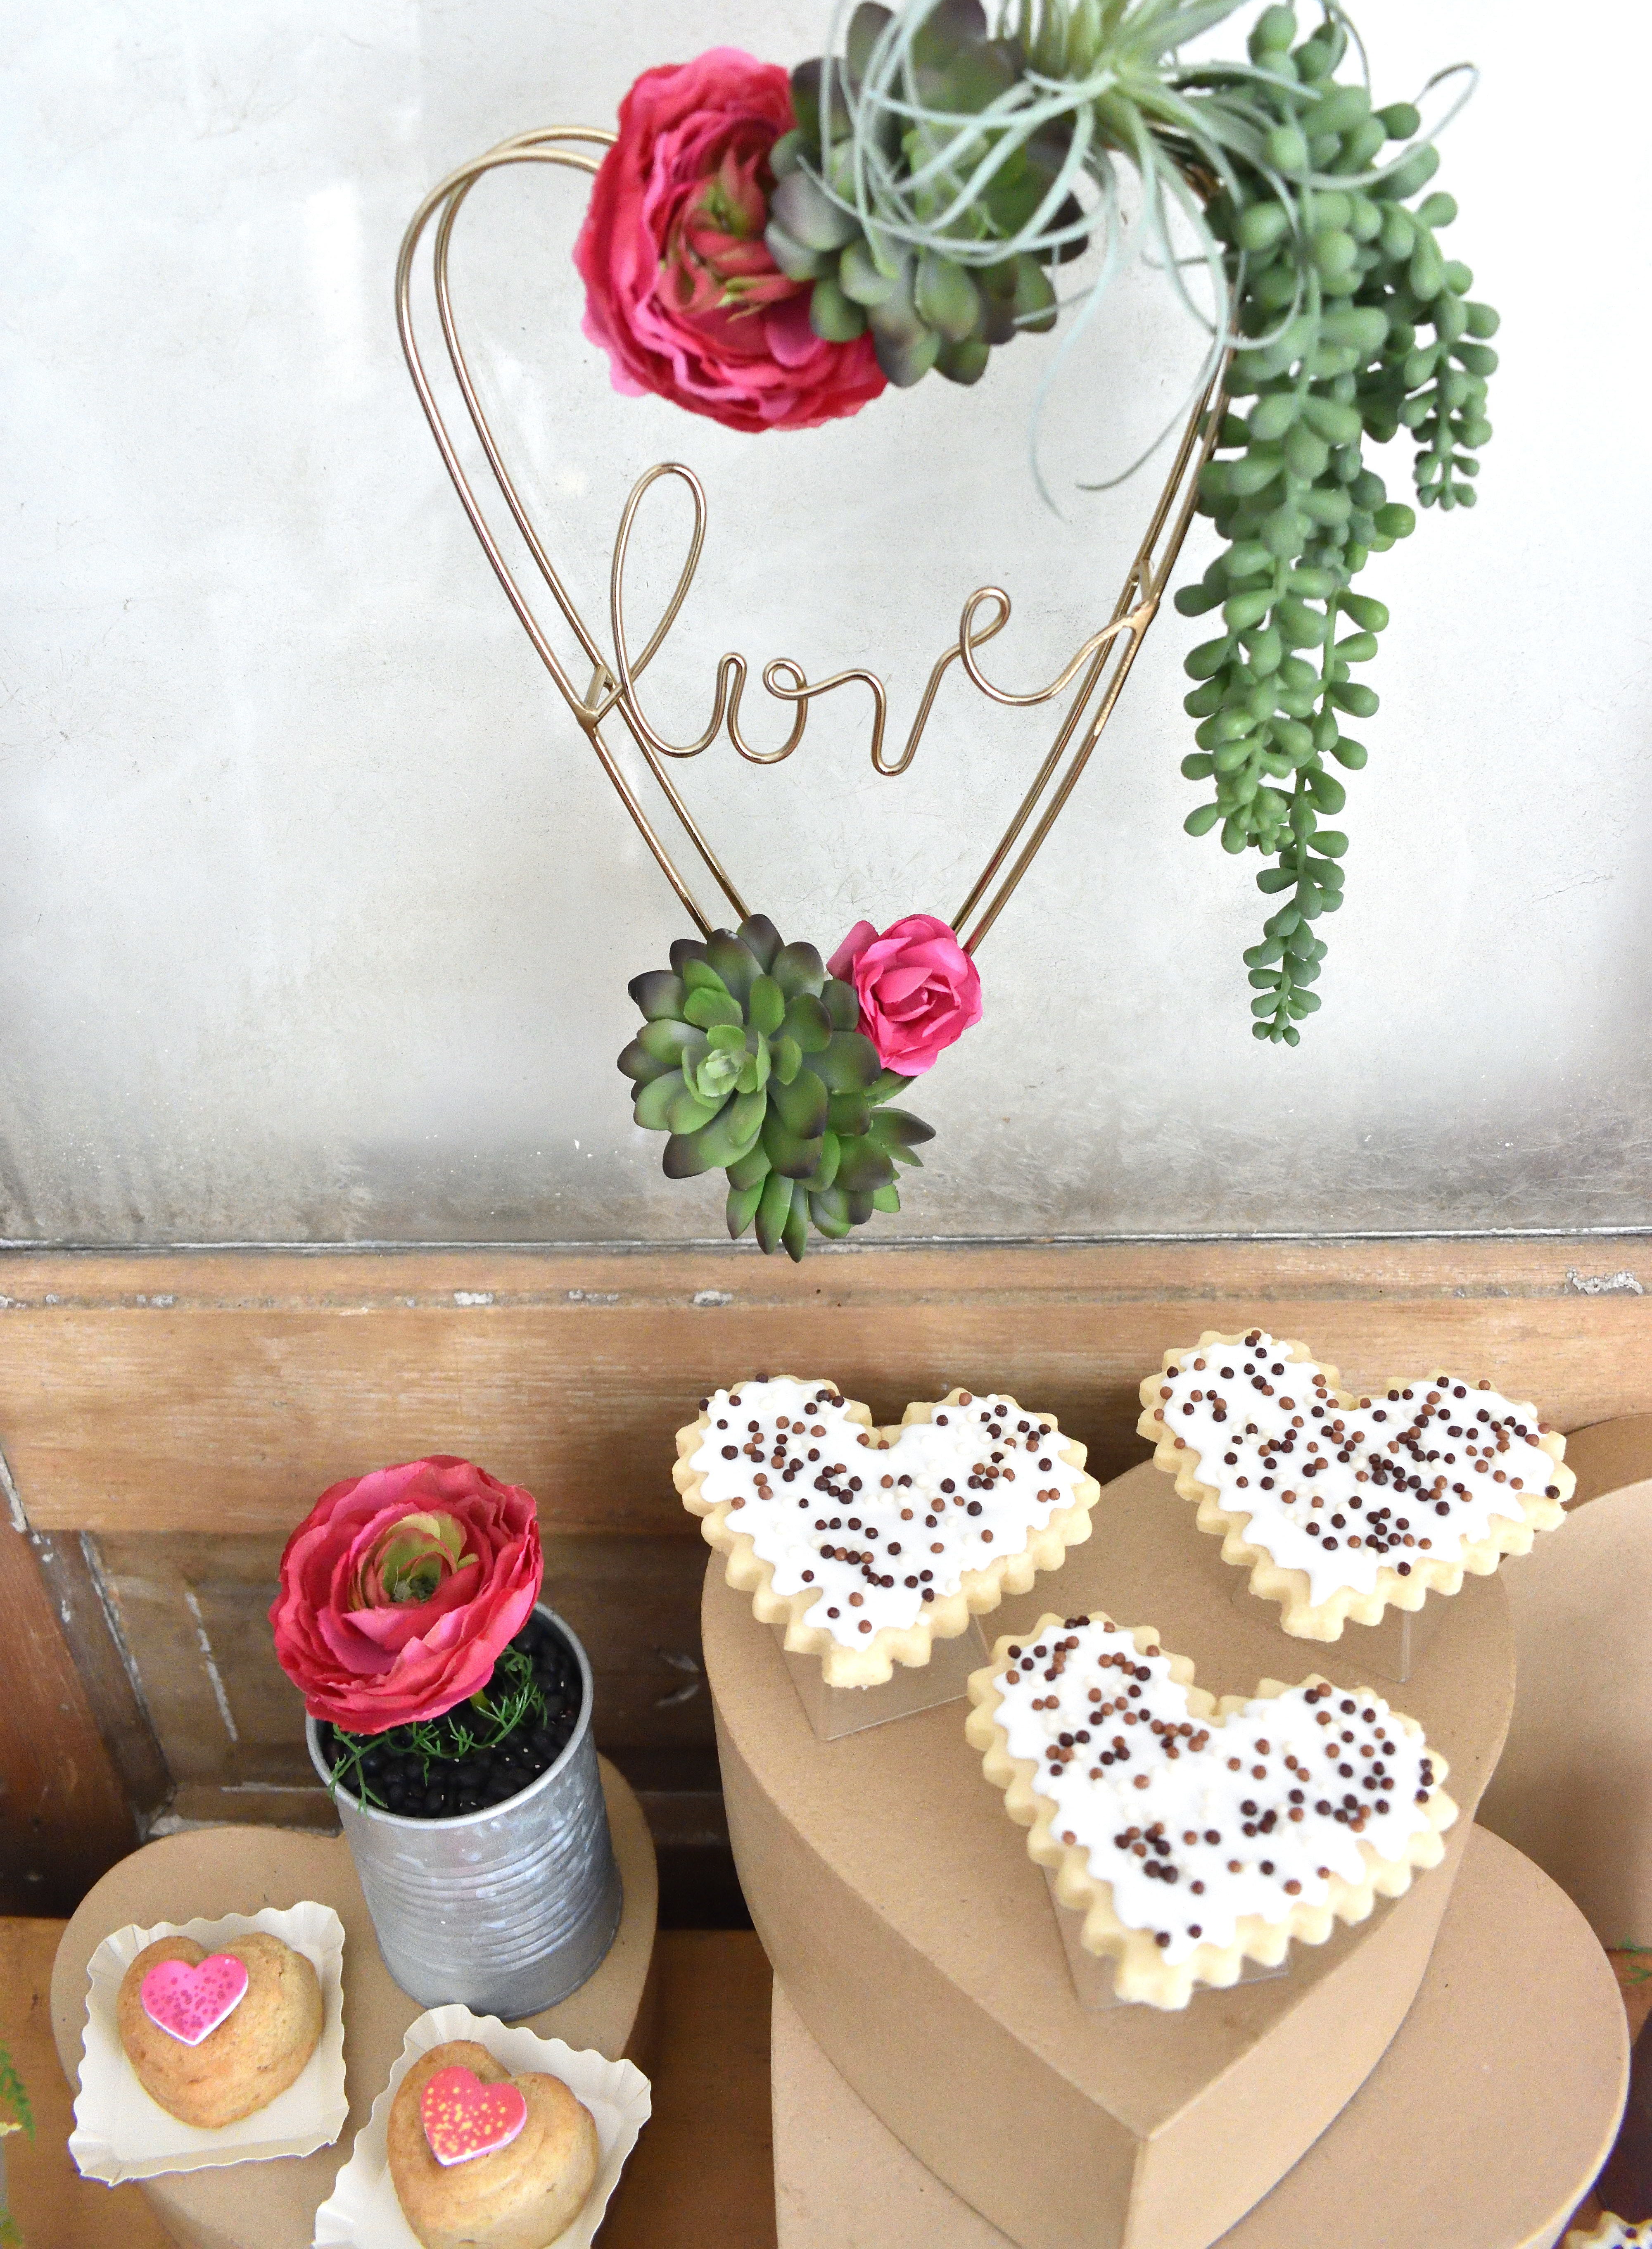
x: 53, y: 2206
x: 220, y: 1393
x: 63, y: 1815
x: 192, y: 1614
x: 702, y: 2177
x: 168, y: 1417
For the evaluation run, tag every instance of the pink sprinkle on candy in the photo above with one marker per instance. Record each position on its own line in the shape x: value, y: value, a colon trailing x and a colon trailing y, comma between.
x: 463, y: 2118
x: 189, y: 2004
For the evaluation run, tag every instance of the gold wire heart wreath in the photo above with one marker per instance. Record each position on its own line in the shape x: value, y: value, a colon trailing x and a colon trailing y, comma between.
x: 788, y: 1031
x: 1103, y: 659
x: 771, y: 248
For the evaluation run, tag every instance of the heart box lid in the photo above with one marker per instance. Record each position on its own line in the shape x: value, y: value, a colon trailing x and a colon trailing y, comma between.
x: 915, y: 1936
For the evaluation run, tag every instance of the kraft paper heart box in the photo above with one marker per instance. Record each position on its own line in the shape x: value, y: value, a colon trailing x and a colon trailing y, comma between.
x: 120, y: 2133
x: 913, y: 1934
x: 362, y: 2212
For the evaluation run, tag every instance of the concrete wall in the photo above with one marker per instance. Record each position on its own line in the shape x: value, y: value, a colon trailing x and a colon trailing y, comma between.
x: 318, y: 914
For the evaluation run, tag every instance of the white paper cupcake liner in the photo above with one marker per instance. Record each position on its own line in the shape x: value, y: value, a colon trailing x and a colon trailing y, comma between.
x: 120, y: 2133
x: 362, y: 2212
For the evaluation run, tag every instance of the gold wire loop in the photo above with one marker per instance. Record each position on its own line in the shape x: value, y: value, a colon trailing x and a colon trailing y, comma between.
x: 685, y: 576
x: 625, y: 675
x: 1100, y: 665
x: 970, y: 640
x: 803, y: 692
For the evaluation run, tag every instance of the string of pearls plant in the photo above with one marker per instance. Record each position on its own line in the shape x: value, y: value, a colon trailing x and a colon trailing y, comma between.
x: 945, y: 165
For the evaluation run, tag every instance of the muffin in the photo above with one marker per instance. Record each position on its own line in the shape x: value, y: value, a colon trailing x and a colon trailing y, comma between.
x: 216, y: 2037
x: 483, y: 2160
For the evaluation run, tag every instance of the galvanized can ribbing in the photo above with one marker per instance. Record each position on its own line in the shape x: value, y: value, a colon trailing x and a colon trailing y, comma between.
x: 507, y: 1910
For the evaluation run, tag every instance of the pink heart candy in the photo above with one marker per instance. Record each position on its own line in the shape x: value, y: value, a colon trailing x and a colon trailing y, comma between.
x: 463, y: 2118
x: 189, y: 2004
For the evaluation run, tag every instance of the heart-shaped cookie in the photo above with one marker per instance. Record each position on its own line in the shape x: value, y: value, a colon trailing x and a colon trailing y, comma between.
x: 1342, y: 1504
x: 483, y: 2160
x: 464, y: 2119
x: 238, y: 2064
x: 1193, y: 1835
x: 188, y: 2003
x: 871, y: 1544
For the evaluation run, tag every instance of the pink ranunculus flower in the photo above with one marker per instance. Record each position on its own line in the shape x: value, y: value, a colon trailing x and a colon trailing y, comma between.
x: 400, y: 1589
x: 680, y: 291
x: 919, y: 989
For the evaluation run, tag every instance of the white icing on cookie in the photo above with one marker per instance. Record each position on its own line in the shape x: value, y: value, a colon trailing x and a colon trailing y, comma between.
x: 1614, y: 2233
x: 1336, y: 1490
x: 882, y: 1531
x: 1196, y: 1821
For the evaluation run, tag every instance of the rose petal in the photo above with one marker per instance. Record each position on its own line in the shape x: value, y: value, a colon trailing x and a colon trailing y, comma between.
x: 682, y: 127
x: 899, y: 981
x: 367, y: 1669
x: 791, y: 339
x: 841, y: 963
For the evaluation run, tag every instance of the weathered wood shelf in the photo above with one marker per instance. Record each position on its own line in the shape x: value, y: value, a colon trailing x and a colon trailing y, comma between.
x: 166, y: 1418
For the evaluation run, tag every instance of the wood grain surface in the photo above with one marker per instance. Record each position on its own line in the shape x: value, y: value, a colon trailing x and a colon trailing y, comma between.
x: 53, y: 2207
x: 703, y: 2174
x: 219, y: 1392
x: 64, y: 1813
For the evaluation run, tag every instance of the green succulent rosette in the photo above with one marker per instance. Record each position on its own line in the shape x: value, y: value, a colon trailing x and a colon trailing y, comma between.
x: 751, y: 1058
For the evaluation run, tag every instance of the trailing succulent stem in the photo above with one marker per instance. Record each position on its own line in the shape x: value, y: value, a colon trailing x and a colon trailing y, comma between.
x: 750, y: 1057
x: 946, y: 163
x: 1352, y: 324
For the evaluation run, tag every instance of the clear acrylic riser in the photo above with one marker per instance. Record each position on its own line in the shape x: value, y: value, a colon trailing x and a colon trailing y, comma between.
x: 1092, y: 1974
x: 1392, y: 1649
x: 834, y: 1711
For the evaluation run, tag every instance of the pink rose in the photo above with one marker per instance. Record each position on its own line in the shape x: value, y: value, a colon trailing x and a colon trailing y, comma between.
x: 400, y: 1589
x: 918, y: 987
x: 680, y: 291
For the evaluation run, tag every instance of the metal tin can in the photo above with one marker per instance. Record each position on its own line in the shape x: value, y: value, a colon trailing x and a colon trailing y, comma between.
x: 507, y: 1910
